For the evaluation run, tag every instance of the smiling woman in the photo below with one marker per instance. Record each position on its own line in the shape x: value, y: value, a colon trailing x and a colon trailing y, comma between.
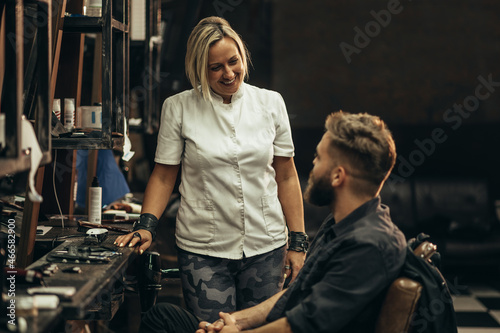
x: 225, y: 68
x: 239, y: 186
x: 214, y: 43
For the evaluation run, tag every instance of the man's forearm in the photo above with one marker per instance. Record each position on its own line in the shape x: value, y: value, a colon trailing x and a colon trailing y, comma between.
x: 256, y: 316
x: 279, y: 326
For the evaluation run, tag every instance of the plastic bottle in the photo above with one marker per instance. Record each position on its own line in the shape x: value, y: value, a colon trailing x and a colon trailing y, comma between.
x: 95, y: 202
x: 69, y: 114
x: 94, y: 8
x: 56, y: 108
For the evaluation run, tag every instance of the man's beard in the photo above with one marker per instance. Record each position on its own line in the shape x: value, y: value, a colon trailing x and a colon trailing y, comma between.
x: 319, y: 192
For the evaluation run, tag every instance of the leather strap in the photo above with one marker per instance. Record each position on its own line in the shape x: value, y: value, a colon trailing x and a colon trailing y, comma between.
x: 147, y: 222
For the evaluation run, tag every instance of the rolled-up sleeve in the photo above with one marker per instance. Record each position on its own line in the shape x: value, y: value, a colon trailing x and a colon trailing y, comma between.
x: 343, y: 291
x: 170, y: 141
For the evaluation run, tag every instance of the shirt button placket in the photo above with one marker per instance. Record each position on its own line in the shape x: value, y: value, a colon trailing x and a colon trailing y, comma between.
x: 240, y: 192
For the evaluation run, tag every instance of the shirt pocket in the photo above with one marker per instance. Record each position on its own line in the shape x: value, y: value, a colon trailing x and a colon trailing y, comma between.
x: 273, y: 216
x: 197, y: 222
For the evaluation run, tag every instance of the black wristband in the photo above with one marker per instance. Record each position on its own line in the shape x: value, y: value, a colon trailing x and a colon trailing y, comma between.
x: 298, y: 241
x: 147, y: 222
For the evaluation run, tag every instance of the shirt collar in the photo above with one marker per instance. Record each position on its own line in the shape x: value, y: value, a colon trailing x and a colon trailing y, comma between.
x: 345, y: 224
x: 236, y: 96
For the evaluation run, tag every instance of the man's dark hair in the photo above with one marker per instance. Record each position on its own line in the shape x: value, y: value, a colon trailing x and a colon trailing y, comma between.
x: 365, y: 145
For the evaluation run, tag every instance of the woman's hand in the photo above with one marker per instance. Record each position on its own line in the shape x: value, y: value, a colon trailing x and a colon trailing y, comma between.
x: 141, y: 237
x: 294, y: 260
x: 121, y: 206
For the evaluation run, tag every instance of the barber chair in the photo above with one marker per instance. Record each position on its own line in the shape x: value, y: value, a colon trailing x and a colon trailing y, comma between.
x: 150, y: 278
x: 402, y: 299
x: 399, y: 305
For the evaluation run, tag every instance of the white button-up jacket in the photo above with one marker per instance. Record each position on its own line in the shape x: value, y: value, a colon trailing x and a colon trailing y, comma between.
x: 229, y: 196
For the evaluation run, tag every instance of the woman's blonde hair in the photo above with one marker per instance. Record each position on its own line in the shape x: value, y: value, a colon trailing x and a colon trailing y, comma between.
x: 206, y: 33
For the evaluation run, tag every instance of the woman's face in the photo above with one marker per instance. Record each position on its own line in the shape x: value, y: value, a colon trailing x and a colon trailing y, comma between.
x: 225, y: 69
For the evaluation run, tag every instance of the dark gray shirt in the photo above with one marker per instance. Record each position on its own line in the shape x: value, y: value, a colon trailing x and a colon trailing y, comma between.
x: 348, y: 269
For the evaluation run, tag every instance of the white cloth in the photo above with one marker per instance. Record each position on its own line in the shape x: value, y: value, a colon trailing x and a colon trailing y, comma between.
x: 229, y: 196
x: 29, y: 140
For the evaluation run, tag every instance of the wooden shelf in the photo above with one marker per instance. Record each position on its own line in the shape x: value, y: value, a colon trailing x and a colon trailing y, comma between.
x: 87, y: 24
x: 83, y: 24
x: 88, y: 142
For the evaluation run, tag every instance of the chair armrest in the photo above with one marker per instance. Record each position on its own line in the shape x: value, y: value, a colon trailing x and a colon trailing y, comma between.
x: 425, y: 250
x: 399, y: 304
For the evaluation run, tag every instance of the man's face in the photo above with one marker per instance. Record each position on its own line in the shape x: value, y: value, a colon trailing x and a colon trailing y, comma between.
x: 319, y: 189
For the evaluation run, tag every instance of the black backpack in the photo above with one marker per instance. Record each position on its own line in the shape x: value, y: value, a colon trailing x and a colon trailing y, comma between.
x: 435, y: 312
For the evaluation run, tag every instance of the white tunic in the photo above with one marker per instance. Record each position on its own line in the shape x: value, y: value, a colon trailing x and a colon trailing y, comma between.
x: 229, y: 196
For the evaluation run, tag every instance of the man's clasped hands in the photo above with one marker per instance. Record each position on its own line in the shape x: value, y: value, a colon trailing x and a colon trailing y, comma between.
x: 226, y: 324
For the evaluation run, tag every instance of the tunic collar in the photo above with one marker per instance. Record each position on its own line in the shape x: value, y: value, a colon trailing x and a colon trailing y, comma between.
x: 236, y: 96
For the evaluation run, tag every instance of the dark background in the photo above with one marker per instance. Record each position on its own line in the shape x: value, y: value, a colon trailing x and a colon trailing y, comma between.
x: 425, y: 58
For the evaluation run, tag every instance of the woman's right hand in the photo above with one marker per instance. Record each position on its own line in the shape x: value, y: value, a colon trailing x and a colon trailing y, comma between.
x: 132, y: 239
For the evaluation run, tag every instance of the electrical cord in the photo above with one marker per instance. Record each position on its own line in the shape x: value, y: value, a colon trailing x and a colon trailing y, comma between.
x: 55, y: 191
x: 55, y: 239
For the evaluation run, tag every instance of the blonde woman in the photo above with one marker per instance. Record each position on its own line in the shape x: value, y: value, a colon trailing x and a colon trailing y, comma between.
x: 239, y: 187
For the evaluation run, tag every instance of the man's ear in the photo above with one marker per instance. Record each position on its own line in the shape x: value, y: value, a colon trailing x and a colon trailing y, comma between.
x: 338, y: 175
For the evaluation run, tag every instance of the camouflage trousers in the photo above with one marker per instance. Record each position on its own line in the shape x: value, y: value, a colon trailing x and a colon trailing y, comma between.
x: 211, y: 285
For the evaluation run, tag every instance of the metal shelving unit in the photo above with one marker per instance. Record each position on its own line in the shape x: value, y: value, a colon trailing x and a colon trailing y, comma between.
x: 113, y: 26
x: 152, y: 54
x: 31, y: 99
